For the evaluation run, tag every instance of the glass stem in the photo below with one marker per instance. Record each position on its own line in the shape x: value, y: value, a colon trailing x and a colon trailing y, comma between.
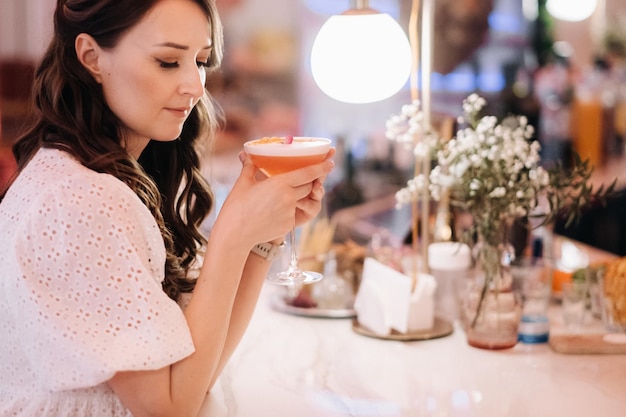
x: 293, y: 264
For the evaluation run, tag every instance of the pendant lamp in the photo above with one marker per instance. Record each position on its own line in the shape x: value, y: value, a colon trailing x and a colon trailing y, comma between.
x: 571, y: 10
x: 361, y: 56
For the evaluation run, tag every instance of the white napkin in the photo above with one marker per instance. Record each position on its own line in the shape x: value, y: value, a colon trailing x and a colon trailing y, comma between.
x: 385, y: 300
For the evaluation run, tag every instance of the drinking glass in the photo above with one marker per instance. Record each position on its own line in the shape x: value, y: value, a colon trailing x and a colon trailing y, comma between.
x: 276, y: 156
x: 573, y: 303
x: 533, y: 277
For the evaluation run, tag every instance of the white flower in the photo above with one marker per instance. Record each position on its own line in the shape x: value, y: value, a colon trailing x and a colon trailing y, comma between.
x: 474, y: 185
x: 498, y: 192
x: 409, y: 194
x: 421, y: 151
x: 458, y: 170
x: 491, y: 168
x: 407, y: 127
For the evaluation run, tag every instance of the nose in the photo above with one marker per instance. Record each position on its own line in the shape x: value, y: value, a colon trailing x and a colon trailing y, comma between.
x: 193, y: 82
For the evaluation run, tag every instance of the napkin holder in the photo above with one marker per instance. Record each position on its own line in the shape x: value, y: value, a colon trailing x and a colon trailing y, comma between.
x: 388, y: 301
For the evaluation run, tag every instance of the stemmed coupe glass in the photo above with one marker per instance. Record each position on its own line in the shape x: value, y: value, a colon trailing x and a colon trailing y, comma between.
x: 277, y: 155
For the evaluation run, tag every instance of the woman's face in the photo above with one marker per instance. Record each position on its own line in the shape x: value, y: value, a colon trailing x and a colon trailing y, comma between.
x: 155, y: 75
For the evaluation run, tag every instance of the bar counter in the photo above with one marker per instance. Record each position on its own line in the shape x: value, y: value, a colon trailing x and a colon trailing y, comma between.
x: 288, y: 366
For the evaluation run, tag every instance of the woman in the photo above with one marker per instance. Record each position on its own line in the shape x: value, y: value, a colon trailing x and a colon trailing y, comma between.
x: 101, y: 224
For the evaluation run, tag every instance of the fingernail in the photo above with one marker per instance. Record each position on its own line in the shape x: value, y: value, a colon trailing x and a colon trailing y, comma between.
x: 242, y: 156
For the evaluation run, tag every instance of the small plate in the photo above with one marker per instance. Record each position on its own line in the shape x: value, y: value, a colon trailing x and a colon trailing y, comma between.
x: 279, y: 304
x: 440, y: 328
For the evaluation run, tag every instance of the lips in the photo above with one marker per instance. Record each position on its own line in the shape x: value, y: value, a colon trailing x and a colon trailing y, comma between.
x: 179, y: 111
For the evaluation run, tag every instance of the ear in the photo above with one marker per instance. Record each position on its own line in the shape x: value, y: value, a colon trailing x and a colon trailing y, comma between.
x: 89, y: 53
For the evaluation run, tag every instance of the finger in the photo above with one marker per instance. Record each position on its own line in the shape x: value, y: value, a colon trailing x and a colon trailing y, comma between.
x: 306, y: 209
x: 308, y: 174
x: 317, y: 191
x: 247, y: 167
x: 249, y: 170
x: 302, y: 191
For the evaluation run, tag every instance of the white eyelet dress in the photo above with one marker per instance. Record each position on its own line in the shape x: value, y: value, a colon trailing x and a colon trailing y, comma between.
x: 81, y: 266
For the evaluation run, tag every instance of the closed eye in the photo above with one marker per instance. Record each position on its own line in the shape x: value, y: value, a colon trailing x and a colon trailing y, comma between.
x: 171, y: 65
x: 168, y: 65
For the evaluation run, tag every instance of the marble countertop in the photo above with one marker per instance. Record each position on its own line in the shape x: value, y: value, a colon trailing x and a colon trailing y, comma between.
x: 290, y: 365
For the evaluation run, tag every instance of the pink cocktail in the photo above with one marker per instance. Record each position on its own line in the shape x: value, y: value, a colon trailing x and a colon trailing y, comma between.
x: 273, y: 156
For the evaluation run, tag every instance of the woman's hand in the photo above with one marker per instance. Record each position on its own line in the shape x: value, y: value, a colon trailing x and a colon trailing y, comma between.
x: 264, y: 209
x: 309, y: 207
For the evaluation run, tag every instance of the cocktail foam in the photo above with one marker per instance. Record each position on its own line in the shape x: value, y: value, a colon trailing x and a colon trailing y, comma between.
x: 275, y: 146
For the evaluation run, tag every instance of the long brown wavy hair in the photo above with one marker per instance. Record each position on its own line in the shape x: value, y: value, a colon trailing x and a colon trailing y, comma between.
x: 71, y: 115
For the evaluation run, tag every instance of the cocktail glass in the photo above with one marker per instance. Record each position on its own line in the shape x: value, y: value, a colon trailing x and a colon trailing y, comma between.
x: 275, y: 156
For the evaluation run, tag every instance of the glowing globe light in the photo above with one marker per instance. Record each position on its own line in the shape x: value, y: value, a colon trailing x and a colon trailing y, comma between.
x: 361, y: 56
x: 571, y: 10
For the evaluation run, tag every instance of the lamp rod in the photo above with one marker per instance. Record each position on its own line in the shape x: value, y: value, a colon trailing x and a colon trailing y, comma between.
x: 359, y: 4
x: 360, y: 7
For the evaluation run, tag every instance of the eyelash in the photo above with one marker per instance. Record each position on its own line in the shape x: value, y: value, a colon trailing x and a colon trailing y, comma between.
x: 171, y: 65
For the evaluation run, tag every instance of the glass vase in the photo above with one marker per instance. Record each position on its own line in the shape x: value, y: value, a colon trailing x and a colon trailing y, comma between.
x: 492, y: 306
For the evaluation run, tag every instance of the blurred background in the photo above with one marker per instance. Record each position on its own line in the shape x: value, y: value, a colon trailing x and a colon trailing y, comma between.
x: 523, y: 56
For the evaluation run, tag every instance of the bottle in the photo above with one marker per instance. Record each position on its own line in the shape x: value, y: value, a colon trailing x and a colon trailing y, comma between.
x: 533, y: 276
x: 333, y: 292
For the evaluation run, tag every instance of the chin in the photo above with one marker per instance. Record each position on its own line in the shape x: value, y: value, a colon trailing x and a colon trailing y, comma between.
x: 167, y: 137
x: 162, y: 139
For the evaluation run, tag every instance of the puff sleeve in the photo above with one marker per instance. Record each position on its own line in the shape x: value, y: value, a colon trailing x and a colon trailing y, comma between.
x: 91, y: 262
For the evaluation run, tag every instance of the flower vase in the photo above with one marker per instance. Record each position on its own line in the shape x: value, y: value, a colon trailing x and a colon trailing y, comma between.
x: 492, y: 308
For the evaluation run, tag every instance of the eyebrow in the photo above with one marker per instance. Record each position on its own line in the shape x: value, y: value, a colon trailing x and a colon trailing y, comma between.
x: 178, y: 46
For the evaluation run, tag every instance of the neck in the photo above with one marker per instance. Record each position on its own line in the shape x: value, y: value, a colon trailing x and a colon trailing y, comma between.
x: 135, y: 146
